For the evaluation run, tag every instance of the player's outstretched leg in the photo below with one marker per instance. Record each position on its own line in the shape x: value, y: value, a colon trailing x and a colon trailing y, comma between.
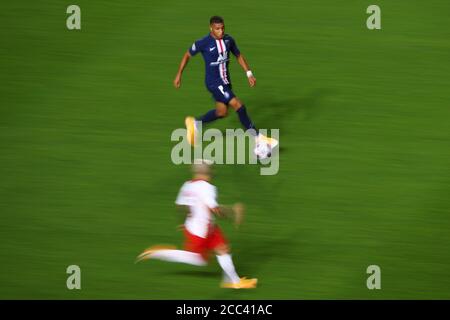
x: 170, y: 254
x: 219, y: 112
x: 248, y: 124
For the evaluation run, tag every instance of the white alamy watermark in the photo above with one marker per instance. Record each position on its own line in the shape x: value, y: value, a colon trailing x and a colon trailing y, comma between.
x: 235, y: 146
x: 373, y: 22
x: 74, y: 279
x: 374, y: 280
x: 73, y: 22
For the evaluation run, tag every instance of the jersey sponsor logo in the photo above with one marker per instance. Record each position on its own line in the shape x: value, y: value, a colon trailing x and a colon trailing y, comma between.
x: 220, y: 60
x: 211, y: 49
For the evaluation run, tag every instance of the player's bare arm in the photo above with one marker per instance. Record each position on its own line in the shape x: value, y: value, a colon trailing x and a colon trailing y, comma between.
x: 183, y: 63
x: 235, y: 212
x: 244, y: 64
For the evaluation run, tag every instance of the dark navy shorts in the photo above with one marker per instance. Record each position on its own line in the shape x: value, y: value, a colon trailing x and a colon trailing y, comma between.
x: 222, y: 93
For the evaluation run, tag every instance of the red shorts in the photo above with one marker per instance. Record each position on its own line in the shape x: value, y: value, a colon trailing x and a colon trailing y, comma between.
x: 200, y: 245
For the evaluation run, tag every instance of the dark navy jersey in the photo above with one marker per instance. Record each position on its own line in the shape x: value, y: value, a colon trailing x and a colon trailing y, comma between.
x: 216, y: 54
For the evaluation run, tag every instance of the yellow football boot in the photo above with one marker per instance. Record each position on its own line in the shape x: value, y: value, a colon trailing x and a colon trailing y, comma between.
x: 191, y: 130
x: 243, y: 283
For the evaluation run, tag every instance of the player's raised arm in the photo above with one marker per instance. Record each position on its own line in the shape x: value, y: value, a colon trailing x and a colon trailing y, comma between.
x: 241, y: 60
x: 183, y: 63
x: 251, y: 78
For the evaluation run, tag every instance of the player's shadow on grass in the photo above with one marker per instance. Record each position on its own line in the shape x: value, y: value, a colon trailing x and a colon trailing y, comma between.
x: 270, y: 113
x: 258, y: 253
x: 216, y: 274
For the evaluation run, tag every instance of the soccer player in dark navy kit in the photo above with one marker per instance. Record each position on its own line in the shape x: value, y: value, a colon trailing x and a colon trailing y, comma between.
x: 215, y: 49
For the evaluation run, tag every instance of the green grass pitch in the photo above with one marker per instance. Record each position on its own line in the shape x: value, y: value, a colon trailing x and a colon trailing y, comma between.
x: 85, y: 170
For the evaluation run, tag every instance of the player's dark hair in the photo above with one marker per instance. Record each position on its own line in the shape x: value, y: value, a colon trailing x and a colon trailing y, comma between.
x: 216, y: 19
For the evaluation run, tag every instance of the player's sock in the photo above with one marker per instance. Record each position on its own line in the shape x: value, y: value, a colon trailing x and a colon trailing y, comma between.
x: 181, y: 256
x: 227, y: 265
x: 226, y: 279
x: 245, y: 119
x: 208, y: 117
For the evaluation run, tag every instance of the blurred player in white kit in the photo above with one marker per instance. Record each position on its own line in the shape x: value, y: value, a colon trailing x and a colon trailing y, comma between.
x: 197, y: 198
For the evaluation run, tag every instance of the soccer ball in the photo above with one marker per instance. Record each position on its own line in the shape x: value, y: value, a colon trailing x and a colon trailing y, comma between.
x: 263, y: 150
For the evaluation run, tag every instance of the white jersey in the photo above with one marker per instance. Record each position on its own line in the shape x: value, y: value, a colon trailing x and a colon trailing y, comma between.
x: 200, y: 196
